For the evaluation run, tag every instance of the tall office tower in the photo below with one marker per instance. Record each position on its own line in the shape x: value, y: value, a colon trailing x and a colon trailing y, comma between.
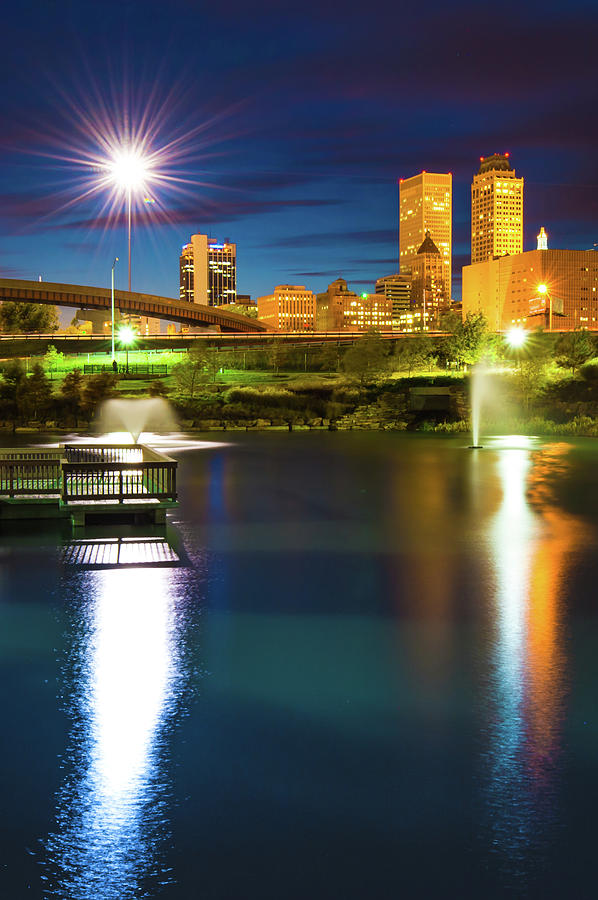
x: 425, y: 204
x: 496, y: 209
x: 208, y: 271
x: 542, y: 239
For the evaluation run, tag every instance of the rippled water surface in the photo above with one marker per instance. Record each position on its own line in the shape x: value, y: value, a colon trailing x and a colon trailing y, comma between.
x: 353, y: 666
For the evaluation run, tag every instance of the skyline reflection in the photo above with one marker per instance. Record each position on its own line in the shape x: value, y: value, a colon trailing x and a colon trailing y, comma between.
x: 110, y: 820
x: 531, y: 541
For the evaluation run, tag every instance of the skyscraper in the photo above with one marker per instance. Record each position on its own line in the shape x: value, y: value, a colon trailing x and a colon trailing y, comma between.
x: 425, y: 204
x: 496, y: 209
x: 208, y: 271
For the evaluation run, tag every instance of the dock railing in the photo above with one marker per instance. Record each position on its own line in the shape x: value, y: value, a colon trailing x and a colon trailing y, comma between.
x: 92, y: 473
x: 29, y: 472
x: 117, y: 472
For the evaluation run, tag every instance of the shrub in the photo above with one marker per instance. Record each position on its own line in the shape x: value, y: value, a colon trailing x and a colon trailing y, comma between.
x: 589, y: 371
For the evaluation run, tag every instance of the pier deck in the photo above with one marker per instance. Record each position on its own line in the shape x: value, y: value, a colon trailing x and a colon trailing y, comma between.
x: 81, y: 482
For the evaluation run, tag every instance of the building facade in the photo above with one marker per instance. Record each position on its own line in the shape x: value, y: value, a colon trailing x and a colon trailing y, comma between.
x: 531, y: 288
x: 290, y: 307
x: 428, y: 290
x: 425, y: 204
x: 397, y: 289
x: 339, y: 309
x: 208, y: 271
x: 496, y: 209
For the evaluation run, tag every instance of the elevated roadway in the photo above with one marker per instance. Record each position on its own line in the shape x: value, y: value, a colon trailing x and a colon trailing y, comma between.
x: 84, y: 297
x: 37, y: 344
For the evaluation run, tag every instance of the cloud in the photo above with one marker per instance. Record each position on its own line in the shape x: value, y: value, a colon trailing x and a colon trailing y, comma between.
x: 388, y: 261
x: 21, y: 213
x: 373, y: 236
x: 333, y: 274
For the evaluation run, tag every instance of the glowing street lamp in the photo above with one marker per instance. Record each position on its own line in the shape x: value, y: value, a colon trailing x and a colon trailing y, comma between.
x: 543, y: 290
x: 127, y: 337
x: 129, y: 170
x: 516, y: 337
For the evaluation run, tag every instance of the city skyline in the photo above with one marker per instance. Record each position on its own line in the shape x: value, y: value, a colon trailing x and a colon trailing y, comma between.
x: 301, y: 171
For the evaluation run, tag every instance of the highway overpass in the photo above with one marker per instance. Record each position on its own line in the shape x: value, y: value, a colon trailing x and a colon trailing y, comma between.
x: 83, y: 297
x: 36, y: 344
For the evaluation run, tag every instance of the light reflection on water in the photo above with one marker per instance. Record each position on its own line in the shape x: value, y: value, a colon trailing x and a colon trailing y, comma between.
x: 531, y: 541
x: 110, y: 824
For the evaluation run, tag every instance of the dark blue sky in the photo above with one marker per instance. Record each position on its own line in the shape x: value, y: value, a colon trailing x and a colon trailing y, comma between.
x: 301, y: 116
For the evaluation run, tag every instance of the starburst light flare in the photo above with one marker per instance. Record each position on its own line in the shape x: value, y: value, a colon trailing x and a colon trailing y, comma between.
x: 129, y: 169
x: 516, y: 337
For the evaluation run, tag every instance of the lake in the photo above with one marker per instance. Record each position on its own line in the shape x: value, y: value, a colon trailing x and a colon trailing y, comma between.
x: 354, y: 665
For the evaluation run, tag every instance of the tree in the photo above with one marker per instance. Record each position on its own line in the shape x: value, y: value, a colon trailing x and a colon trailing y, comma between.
x: 190, y: 374
x: 469, y: 340
x: 213, y: 364
x: 366, y: 358
x: 35, y: 394
x: 53, y: 360
x: 27, y: 318
x: 329, y: 358
x: 13, y: 375
x: 573, y: 349
x: 277, y: 354
x: 242, y: 310
x: 412, y: 353
x: 531, y: 373
x: 158, y: 389
x: 72, y: 393
x: 97, y: 389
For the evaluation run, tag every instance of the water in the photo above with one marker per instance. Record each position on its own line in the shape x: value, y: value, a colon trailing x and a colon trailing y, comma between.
x: 361, y: 665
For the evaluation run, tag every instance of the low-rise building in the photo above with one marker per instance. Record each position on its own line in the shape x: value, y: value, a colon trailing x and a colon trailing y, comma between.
x: 339, y: 309
x: 397, y: 289
x: 557, y: 288
x: 290, y: 307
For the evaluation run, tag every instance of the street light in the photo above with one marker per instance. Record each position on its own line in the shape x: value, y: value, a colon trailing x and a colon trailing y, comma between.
x: 130, y: 171
x: 126, y: 337
x: 543, y: 290
x: 516, y: 337
x: 113, y: 265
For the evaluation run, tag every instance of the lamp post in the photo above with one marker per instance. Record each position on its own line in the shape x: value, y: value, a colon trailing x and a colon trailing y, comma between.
x: 113, y: 265
x: 130, y: 171
x: 129, y: 230
x: 542, y: 289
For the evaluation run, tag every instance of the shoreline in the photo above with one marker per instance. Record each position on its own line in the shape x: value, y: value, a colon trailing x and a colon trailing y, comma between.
x: 581, y: 427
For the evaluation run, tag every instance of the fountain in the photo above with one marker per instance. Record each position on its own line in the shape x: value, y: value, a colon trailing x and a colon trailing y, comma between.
x: 478, y: 388
x: 136, y: 416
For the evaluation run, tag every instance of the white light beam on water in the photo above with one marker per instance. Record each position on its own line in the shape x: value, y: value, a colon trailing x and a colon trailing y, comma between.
x: 111, y: 812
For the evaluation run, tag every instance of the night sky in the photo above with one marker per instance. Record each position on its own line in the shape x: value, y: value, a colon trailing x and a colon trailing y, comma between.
x: 293, y: 122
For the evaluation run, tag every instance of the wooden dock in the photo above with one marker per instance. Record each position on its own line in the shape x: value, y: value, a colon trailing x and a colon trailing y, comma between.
x: 127, y: 482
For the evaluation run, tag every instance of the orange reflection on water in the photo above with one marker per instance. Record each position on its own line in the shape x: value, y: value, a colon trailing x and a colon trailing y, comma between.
x: 532, y: 544
x: 562, y: 533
